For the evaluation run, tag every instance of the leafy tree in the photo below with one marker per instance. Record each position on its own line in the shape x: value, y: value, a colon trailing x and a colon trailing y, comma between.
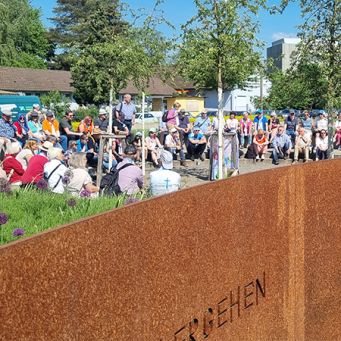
x: 321, y: 43
x: 110, y: 56
x: 56, y: 101
x: 301, y: 87
x: 22, y: 36
x: 218, y: 48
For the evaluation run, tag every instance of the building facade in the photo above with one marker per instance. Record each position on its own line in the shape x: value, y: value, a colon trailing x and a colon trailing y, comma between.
x: 281, y: 52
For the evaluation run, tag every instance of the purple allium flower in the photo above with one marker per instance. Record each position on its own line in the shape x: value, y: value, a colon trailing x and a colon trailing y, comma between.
x: 65, y: 180
x: 68, y: 175
x: 42, y: 184
x: 131, y: 201
x: 72, y: 202
x: 85, y: 194
x: 3, y: 218
x: 5, y: 186
x: 18, y: 232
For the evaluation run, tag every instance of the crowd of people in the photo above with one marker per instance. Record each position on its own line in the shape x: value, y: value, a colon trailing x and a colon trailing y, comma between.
x: 38, y: 148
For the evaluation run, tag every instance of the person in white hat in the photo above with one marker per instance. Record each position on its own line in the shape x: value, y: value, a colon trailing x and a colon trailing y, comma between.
x: 102, y: 122
x: 173, y: 145
x: 165, y: 180
x: 153, y: 146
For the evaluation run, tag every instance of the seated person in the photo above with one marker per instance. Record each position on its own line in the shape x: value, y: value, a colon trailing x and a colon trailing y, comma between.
x: 23, y: 131
x: 302, y: 145
x: 31, y: 147
x: 36, y: 127
x: 153, y: 146
x: 35, y: 168
x: 281, y: 145
x: 79, y: 182
x: 322, y: 145
x: 183, y: 127
x: 173, y: 145
x: 101, y: 123
x: 245, y: 125
x: 50, y: 127
x: 137, y: 142
x: 54, y: 170
x: 273, y: 124
x: 165, y: 180
x: 196, y: 144
x: 204, y: 123
x: 86, y: 126
x: 65, y: 129
x: 116, y: 158
x: 130, y: 178
x: 291, y: 125
x: 232, y: 124
x: 260, y: 144
x: 11, y: 165
x: 8, y: 132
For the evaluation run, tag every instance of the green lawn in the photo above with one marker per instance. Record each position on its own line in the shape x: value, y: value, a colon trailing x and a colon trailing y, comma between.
x: 38, y: 210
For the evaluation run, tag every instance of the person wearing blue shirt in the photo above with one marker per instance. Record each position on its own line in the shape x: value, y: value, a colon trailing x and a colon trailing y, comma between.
x: 7, y: 129
x: 260, y: 121
x: 196, y: 144
x: 281, y: 145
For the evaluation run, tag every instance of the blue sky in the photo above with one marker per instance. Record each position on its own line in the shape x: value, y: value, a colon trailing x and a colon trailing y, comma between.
x: 273, y: 27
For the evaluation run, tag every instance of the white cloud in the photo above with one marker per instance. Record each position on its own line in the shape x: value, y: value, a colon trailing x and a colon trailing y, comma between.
x: 281, y: 35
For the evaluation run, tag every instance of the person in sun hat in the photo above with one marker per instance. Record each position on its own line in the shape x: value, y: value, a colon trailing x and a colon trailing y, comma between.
x: 35, y: 168
x: 165, y: 180
x: 153, y: 146
x: 196, y: 144
x: 7, y: 130
x: 173, y: 145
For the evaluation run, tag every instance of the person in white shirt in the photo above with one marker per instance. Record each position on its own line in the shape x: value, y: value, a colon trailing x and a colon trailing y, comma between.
x: 54, y: 170
x: 173, y: 145
x: 232, y: 124
x: 322, y: 146
x: 302, y: 145
x: 164, y: 180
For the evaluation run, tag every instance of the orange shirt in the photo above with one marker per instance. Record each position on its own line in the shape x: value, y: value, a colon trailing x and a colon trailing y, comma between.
x: 48, y: 126
x: 261, y: 139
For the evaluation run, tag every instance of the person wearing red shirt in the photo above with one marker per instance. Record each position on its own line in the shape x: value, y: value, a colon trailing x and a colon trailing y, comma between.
x: 35, y: 168
x: 11, y: 165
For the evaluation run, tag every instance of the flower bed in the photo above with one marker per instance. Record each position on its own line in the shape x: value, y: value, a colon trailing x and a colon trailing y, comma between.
x: 26, y: 212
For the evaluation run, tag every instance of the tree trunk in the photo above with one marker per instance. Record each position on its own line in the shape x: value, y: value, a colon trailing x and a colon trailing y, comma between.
x: 143, y: 137
x: 110, y: 123
x: 220, y: 121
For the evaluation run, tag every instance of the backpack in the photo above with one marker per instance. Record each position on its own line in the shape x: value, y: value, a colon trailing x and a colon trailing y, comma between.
x: 109, y: 183
x: 164, y: 116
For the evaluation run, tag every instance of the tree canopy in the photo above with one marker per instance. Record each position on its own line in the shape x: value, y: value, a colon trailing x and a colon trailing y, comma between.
x: 22, y: 35
x: 221, y: 35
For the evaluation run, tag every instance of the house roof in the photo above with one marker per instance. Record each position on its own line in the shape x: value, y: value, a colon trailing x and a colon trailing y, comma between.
x: 26, y: 80
x: 40, y: 80
x: 156, y: 87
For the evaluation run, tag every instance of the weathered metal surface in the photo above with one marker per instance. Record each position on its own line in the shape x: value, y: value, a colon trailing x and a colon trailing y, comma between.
x: 256, y: 257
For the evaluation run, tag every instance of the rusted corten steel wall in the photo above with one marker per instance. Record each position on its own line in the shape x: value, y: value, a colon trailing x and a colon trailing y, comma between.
x: 256, y: 257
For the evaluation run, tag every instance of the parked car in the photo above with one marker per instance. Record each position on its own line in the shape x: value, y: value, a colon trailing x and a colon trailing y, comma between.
x: 148, y: 118
x: 286, y: 112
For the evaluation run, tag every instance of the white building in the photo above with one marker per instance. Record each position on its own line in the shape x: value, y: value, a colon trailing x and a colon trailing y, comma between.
x: 239, y: 99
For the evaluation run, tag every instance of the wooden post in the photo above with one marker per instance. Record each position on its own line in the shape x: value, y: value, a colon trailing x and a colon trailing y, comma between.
x: 143, y: 141
x: 100, y: 161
